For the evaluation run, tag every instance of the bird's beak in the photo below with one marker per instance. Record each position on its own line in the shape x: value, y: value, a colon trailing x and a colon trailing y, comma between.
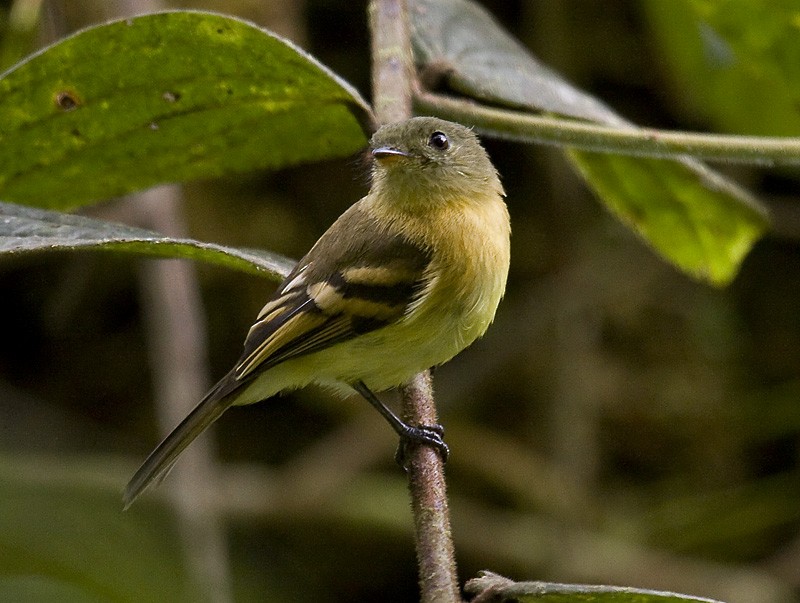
x: 388, y: 153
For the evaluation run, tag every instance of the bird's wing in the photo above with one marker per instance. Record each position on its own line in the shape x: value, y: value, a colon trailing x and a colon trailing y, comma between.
x: 323, y: 303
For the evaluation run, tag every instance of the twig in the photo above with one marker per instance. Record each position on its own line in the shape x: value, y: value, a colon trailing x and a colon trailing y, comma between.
x: 646, y: 142
x: 392, y: 82
x: 392, y: 60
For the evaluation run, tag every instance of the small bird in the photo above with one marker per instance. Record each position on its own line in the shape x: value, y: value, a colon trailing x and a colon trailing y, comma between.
x: 404, y: 280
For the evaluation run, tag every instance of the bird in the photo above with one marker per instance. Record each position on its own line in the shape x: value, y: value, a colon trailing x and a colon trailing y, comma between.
x: 402, y: 281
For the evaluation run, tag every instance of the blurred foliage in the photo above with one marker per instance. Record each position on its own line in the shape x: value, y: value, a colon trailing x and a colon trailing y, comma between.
x: 618, y: 424
x: 735, y: 48
x: 65, y: 536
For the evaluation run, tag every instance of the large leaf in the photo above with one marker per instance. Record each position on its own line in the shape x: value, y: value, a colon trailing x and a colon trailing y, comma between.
x: 162, y: 98
x: 492, y: 587
x: 28, y: 229
x: 692, y: 216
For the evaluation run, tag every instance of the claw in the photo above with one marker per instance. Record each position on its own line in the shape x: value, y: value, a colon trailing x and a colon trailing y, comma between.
x: 428, y: 435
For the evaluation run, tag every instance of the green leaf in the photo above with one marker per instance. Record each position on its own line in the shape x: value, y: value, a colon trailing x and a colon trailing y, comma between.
x: 459, y: 42
x: 27, y: 229
x: 503, y: 589
x: 162, y: 98
x: 681, y: 209
x: 692, y: 216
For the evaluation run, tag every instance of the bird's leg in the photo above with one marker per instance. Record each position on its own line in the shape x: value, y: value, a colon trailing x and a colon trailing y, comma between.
x: 432, y: 435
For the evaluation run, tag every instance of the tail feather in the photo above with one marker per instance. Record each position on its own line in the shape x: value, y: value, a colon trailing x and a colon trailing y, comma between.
x: 161, y: 460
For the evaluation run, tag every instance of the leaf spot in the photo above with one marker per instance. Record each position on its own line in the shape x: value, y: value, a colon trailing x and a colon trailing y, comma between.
x: 171, y: 97
x: 67, y: 100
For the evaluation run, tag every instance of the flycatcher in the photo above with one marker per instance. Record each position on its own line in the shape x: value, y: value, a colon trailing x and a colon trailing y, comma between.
x: 405, y: 279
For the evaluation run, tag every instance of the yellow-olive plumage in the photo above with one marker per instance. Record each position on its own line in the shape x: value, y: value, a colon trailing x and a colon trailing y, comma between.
x: 405, y: 279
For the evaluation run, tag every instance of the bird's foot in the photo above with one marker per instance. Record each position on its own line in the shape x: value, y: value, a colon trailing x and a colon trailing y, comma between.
x: 426, y: 435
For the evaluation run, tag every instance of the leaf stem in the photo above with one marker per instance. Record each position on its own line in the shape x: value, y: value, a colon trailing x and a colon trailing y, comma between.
x: 646, y: 142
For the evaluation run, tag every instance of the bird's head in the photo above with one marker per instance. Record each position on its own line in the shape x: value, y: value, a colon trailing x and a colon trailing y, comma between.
x: 426, y: 158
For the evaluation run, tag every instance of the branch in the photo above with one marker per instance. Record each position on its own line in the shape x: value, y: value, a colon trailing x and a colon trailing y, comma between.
x: 392, y: 60
x: 429, y: 505
x: 646, y: 142
x: 392, y: 82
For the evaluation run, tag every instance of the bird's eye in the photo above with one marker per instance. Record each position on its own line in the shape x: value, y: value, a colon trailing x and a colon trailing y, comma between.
x: 439, y: 141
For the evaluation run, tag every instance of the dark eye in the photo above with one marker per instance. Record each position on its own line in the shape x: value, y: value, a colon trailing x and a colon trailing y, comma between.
x: 439, y: 141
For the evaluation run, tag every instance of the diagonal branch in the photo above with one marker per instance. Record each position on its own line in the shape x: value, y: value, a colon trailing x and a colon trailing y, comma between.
x: 588, y: 136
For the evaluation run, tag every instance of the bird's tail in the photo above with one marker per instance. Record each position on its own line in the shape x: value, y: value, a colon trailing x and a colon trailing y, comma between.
x: 160, y: 461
